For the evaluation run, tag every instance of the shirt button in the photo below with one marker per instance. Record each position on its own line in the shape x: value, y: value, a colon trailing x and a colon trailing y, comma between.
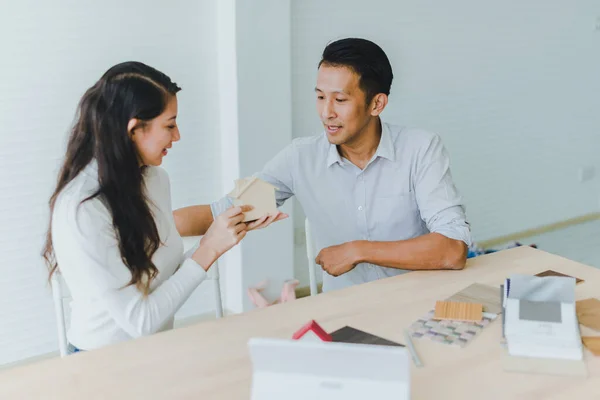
x: 360, y: 208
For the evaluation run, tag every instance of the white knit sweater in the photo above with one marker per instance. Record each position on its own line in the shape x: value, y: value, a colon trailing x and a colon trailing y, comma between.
x: 103, y: 310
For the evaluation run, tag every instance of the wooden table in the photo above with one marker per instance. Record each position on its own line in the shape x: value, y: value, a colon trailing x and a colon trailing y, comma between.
x: 210, y: 360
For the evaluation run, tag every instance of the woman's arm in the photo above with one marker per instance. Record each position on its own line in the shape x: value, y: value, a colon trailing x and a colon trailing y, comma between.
x: 88, y: 255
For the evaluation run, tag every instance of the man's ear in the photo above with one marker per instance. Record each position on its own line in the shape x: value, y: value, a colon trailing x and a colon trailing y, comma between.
x: 378, y: 104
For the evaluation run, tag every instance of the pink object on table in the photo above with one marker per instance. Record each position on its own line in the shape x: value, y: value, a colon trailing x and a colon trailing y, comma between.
x: 288, y: 293
x: 312, y: 330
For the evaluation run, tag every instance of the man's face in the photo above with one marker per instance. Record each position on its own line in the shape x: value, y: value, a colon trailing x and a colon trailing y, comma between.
x: 341, y: 104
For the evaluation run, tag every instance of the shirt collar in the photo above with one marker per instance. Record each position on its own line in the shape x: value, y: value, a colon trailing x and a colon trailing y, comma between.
x: 333, y: 156
x: 386, y: 147
x: 384, y: 150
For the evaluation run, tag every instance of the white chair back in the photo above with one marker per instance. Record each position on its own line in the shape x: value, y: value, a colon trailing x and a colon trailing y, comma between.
x: 213, y: 274
x: 61, y: 297
x: 310, y: 254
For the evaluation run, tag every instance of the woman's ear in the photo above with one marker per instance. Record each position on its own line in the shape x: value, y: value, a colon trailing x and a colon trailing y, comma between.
x: 131, y: 125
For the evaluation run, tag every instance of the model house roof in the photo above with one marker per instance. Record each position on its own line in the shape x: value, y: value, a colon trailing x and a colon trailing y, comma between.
x: 241, y: 185
x: 312, y: 327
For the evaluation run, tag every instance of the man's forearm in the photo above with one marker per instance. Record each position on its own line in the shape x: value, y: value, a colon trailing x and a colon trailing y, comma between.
x: 428, y: 252
x: 193, y: 220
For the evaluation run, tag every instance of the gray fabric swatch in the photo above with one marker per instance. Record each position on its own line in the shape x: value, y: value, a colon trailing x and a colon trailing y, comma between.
x: 534, y: 288
x: 547, y: 311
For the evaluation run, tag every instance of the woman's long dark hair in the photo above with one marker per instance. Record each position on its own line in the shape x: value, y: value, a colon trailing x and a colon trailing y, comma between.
x: 126, y: 91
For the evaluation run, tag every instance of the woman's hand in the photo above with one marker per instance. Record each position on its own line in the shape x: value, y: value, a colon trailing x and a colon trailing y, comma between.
x: 226, y: 231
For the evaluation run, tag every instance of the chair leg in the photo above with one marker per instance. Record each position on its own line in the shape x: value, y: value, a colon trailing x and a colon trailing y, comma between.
x: 218, y: 301
x: 257, y: 298
x: 288, y: 292
x: 59, y: 314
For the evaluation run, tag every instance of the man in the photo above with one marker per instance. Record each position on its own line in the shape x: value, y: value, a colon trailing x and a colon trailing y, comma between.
x: 380, y: 198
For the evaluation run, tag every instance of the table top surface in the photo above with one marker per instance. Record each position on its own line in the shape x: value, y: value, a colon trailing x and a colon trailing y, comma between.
x: 211, y: 360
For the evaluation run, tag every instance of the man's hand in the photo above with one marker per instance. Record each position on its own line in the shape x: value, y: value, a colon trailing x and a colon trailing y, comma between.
x: 265, y: 221
x: 337, y: 260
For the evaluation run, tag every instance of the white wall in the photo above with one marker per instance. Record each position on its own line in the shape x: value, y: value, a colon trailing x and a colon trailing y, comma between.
x: 512, y: 87
x: 256, y: 116
x: 509, y: 86
x: 51, y: 53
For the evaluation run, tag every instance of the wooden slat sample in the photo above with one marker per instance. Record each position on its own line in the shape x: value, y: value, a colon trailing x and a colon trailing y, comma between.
x: 458, y: 311
x: 480, y: 294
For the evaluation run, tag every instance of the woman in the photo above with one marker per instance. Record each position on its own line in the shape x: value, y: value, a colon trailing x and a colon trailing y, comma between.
x: 112, y: 231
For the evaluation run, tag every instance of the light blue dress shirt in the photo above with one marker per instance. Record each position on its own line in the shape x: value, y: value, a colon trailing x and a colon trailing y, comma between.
x: 406, y: 190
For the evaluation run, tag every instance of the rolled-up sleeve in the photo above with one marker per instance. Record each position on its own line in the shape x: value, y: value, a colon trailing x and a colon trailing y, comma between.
x: 218, y: 207
x: 278, y: 172
x: 440, y: 203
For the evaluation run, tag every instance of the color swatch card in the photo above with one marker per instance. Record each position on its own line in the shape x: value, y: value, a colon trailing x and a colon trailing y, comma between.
x: 540, y: 318
x: 447, y: 331
x: 555, y: 273
x: 347, y: 334
x: 588, y: 313
x: 592, y: 343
